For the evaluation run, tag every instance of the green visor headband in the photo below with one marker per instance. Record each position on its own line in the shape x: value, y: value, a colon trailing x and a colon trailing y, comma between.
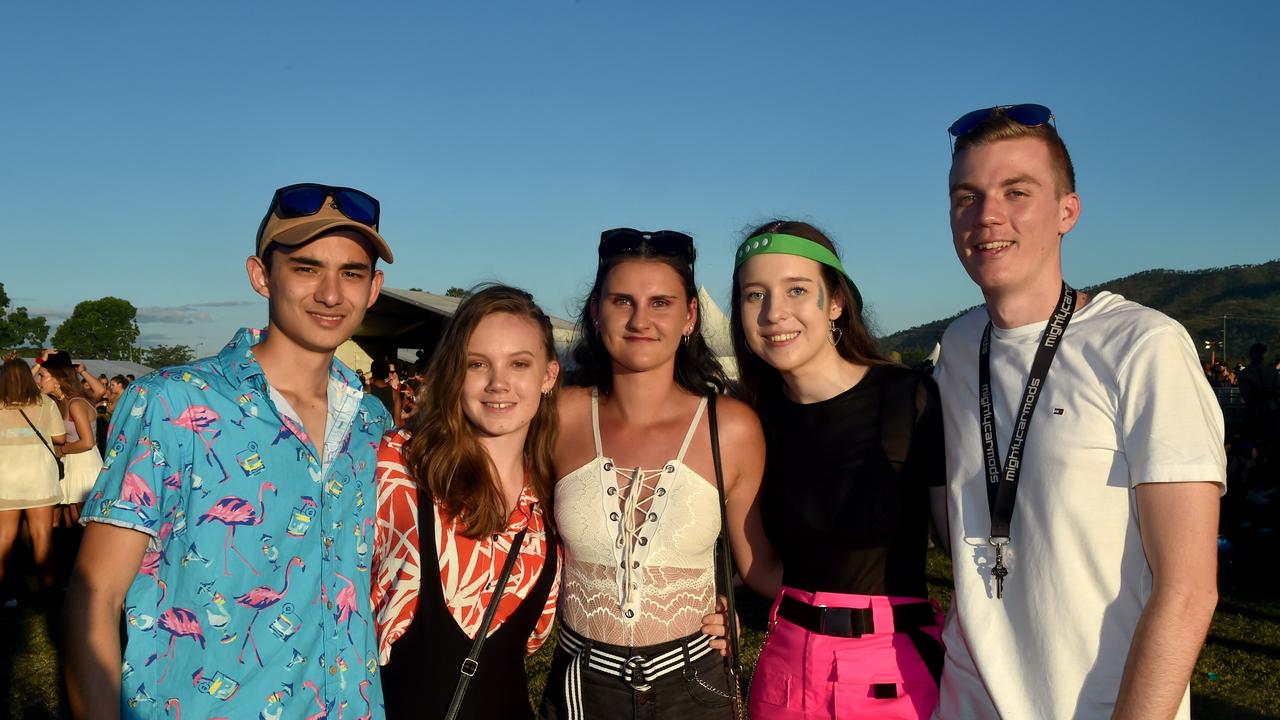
x: 793, y: 245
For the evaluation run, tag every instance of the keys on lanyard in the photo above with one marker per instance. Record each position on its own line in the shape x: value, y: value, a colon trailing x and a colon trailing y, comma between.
x: 999, y: 571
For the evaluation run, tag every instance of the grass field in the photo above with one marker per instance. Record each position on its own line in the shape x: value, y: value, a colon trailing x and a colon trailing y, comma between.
x: 1237, y: 677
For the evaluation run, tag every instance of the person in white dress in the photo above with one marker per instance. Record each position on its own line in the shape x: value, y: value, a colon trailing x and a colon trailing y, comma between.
x: 30, y: 428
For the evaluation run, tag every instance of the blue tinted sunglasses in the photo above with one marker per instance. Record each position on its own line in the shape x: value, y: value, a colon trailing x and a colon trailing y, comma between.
x: 307, y: 198
x: 1028, y: 114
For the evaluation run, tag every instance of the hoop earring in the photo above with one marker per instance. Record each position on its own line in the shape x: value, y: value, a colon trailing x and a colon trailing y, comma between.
x: 685, y: 340
x: 546, y: 393
x: 836, y: 334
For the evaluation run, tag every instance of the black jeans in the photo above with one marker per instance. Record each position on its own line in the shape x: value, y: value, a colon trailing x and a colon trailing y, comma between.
x: 696, y: 690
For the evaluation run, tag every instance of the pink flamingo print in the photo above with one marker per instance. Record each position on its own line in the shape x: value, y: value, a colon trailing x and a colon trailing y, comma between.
x: 368, y: 706
x: 236, y: 512
x: 346, y: 601
x: 201, y: 419
x: 177, y: 708
x: 261, y: 598
x: 151, y: 568
x: 136, y: 490
x: 324, y: 709
x: 178, y: 622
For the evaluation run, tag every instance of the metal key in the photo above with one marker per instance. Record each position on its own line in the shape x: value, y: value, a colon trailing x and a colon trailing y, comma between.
x: 999, y: 571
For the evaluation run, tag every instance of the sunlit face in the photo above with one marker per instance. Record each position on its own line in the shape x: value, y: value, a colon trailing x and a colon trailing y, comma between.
x: 507, y: 370
x: 786, y: 311
x: 318, y: 293
x: 46, y: 382
x: 642, y: 314
x: 1007, y: 218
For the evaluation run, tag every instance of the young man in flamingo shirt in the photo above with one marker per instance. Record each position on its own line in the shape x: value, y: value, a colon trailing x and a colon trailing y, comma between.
x: 225, y: 524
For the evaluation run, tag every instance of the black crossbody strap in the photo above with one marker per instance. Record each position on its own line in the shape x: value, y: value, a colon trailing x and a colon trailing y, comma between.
x: 472, y: 663
x: 37, y: 432
x: 725, y: 569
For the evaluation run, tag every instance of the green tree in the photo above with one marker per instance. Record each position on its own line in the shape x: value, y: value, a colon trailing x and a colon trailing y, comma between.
x: 17, y: 328
x: 103, y: 329
x: 455, y: 292
x: 165, y: 355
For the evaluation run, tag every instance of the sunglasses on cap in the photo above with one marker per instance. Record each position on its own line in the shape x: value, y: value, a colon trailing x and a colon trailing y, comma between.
x: 628, y: 241
x: 306, y: 199
x: 1028, y: 114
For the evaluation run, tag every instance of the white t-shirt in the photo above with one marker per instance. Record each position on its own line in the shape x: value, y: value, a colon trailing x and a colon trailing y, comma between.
x: 1125, y: 403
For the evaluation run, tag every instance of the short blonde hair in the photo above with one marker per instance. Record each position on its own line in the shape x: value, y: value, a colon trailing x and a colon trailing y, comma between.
x: 1000, y: 126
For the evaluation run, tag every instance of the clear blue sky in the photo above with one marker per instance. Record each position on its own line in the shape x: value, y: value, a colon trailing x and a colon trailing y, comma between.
x: 140, y: 142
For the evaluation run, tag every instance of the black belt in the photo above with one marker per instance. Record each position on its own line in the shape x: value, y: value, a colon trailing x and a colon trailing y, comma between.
x: 852, y: 622
x: 844, y: 622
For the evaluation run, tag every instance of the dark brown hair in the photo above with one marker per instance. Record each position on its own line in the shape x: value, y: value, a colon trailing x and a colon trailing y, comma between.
x: 999, y: 127
x: 759, y: 382
x: 68, y: 380
x: 17, y: 387
x: 697, y: 368
x: 443, y: 454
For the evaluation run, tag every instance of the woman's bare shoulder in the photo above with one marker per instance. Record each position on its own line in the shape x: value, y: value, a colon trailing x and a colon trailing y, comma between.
x: 573, y: 402
x: 737, y: 419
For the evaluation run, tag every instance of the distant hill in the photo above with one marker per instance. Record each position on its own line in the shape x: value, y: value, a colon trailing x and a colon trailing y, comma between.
x: 1249, y: 295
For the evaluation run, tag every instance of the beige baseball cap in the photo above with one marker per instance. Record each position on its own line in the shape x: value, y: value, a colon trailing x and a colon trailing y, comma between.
x: 296, y: 230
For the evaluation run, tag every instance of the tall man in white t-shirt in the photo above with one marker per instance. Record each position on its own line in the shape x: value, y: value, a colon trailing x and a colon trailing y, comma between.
x: 1090, y: 594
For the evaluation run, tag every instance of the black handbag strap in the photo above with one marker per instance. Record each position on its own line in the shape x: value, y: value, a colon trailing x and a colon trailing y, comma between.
x: 472, y: 663
x: 725, y: 569
x: 37, y: 432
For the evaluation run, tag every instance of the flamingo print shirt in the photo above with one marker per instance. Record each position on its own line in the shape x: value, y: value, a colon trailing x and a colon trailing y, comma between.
x: 253, y: 596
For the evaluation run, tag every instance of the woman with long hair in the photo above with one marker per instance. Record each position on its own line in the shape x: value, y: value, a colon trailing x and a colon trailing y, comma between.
x: 30, y: 429
x: 855, y: 466
x: 637, y: 503
x: 59, y: 378
x: 463, y: 487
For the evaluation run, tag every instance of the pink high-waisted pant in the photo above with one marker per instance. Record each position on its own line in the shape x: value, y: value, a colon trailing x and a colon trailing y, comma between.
x: 802, y: 675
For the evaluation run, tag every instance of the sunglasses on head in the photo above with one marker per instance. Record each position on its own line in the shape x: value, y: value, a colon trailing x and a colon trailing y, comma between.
x: 1028, y: 114
x: 627, y: 241
x: 307, y: 198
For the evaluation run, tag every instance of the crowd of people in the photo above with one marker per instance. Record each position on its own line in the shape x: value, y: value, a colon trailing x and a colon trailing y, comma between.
x: 281, y: 536
x: 54, y: 415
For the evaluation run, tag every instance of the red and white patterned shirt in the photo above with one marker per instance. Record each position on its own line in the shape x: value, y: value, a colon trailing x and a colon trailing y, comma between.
x: 466, y: 567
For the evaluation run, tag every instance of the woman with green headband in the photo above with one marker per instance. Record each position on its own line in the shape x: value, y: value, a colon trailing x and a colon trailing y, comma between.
x: 854, y: 461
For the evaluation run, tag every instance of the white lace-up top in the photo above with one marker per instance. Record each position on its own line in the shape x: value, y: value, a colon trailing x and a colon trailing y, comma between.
x: 639, y: 547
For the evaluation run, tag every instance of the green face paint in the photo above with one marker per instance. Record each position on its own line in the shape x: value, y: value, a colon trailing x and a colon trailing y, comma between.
x: 822, y: 297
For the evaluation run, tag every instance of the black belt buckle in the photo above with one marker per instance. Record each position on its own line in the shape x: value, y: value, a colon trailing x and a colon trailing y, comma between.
x: 837, y: 622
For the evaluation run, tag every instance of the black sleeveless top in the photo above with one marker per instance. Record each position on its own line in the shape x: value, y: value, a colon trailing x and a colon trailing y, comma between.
x: 419, y: 679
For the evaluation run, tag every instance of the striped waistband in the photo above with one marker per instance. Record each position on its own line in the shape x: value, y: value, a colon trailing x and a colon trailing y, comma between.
x: 637, y: 670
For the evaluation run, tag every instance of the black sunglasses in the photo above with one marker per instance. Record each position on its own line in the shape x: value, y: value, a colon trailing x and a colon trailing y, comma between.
x: 1028, y: 114
x: 628, y: 241
x: 307, y: 198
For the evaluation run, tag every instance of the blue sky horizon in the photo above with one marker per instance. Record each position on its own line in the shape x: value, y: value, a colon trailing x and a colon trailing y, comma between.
x: 143, y: 141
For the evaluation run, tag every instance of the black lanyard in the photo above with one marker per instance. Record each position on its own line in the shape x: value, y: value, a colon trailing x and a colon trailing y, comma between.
x: 1002, y: 482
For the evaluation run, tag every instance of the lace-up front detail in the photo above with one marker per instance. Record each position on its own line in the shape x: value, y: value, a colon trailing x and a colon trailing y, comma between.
x: 639, y: 547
